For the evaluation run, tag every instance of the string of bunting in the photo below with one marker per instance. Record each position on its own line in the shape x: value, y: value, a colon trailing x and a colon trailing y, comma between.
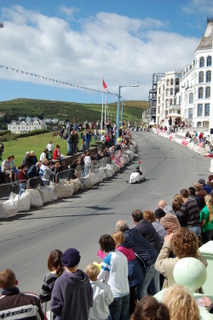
x: 55, y: 81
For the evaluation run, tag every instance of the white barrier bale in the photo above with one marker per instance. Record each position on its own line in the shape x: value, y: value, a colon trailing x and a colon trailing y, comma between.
x: 35, y: 198
x: 24, y: 201
x: 109, y: 173
x: 76, y: 184
x: 101, y: 173
x: 211, y: 166
x: 95, y: 178
x: 63, y: 190
x: 47, y: 194
x: 9, y: 208
x: 130, y: 154
x: 86, y: 182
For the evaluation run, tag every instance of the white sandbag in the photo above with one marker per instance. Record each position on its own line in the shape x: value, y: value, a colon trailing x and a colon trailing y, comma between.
x: 95, y: 178
x: 109, y: 171
x: 190, y: 145
x: 211, y: 166
x: 207, y: 148
x: 24, y: 201
x: 63, y: 190
x: 76, y: 184
x: 1, y: 210
x: 130, y: 154
x: 126, y: 158
x: 116, y: 168
x: 110, y: 167
x: 101, y: 173
x: 10, y: 208
x: 47, y: 194
x: 86, y: 182
x: 35, y: 198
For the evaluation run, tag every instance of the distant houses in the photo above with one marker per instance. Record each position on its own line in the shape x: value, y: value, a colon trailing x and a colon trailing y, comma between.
x: 26, y: 125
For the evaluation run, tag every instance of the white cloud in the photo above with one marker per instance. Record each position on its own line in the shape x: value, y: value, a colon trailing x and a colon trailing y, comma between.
x: 197, y: 6
x: 122, y: 49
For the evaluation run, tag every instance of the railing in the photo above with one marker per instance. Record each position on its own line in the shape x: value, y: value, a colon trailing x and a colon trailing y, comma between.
x: 33, y: 183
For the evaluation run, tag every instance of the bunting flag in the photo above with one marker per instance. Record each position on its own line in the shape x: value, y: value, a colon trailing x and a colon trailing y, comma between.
x: 104, y: 84
x: 57, y: 81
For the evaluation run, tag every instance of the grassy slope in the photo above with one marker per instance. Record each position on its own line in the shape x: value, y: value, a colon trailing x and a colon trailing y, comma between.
x: 69, y: 110
x: 62, y: 111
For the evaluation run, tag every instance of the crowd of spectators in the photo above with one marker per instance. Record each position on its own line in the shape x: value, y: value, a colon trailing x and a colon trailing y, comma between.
x: 135, y: 265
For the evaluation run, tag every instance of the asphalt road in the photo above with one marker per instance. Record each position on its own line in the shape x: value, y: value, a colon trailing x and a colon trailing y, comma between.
x: 27, y: 239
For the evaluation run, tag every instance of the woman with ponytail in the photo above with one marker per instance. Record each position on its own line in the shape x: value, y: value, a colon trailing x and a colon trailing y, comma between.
x: 206, y: 218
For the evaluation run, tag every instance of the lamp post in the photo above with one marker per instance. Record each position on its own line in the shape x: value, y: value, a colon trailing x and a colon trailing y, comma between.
x: 118, y: 106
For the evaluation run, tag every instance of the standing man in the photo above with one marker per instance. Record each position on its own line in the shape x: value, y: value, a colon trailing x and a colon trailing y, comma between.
x: 189, y: 214
x: 15, y: 304
x: 72, y: 294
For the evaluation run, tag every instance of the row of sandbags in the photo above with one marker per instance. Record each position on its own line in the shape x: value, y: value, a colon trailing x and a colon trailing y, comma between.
x: 185, y: 142
x: 32, y: 198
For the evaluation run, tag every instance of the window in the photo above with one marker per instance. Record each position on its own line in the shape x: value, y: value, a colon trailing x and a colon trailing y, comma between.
x: 199, y: 110
x: 177, y: 81
x: 191, y: 97
x: 201, y: 77
x: 167, y: 82
x: 208, y: 76
x: 190, y: 113
x: 207, y: 109
x: 199, y: 124
x: 167, y: 92
x: 171, y: 82
x: 200, y: 93
x: 171, y: 91
x: 209, y: 61
x: 208, y: 92
x: 202, y: 62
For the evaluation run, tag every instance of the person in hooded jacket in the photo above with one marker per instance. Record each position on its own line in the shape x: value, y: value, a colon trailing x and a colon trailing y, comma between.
x: 72, y: 295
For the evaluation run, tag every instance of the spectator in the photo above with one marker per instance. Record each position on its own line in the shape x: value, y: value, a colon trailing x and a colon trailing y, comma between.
x: 189, y: 214
x: 86, y: 139
x: 83, y: 147
x: 181, y: 303
x: 87, y: 164
x: 57, y: 155
x: 184, y: 243
x: 44, y: 155
x: 145, y: 253
x: 204, y: 186
x: 33, y: 174
x: 163, y: 205
x: 50, y: 148
x: 47, y: 171
x: 168, y: 220
x: 26, y: 160
x: 72, y: 293
x: 6, y: 168
x: 192, y: 194
x: 114, y: 271
x: 206, y: 218
x: 56, y: 269
x: 13, y: 167
x: 76, y: 142
x: 1, y: 149
x: 200, y: 193
x: 177, y: 202
x: 33, y: 158
x: 71, y: 142
x: 14, y: 303
x: 22, y: 177
x: 135, y: 272
x: 102, y: 294
x: 149, y: 308
x: 150, y: 217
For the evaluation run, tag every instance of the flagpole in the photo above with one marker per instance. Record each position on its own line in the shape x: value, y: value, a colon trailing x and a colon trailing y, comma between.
x: 102, y: 112
x: 105, y: 111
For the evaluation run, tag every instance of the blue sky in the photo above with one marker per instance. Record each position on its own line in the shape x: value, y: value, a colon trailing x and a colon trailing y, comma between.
x: 65, y: 48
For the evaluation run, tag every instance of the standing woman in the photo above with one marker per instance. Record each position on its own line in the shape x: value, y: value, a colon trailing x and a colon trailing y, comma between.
x: 206, y: 218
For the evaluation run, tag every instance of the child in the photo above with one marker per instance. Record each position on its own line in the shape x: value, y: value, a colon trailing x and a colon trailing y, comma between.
x: 102, y: 294
x: 56, y: 269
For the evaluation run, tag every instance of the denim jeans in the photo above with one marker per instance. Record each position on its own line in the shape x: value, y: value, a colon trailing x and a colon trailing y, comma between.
x: 196, y: 230
x: 154, y: 286
x: 119, y: 308
x: 149, y: 274
x: 22, y: 186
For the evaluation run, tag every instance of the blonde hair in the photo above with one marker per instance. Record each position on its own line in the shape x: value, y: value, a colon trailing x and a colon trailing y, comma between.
x: 119, y: 237
x: 92, y: 271
x: 208, y: 201
x: 181, y: 303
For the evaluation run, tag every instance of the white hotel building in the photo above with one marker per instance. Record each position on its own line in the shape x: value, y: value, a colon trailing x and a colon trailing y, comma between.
x: 189, y: 92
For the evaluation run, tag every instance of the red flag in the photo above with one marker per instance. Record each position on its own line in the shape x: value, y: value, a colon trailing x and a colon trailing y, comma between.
x: 104, y: 84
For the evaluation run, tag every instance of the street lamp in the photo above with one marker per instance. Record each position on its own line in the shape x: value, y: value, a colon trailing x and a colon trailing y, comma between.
x: 118, y: 106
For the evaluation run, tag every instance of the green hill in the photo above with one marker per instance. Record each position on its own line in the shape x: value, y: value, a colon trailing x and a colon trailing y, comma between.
x: 66, y: 110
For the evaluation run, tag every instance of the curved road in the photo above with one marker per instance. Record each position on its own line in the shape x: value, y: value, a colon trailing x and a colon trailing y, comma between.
x: 27, y: 239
